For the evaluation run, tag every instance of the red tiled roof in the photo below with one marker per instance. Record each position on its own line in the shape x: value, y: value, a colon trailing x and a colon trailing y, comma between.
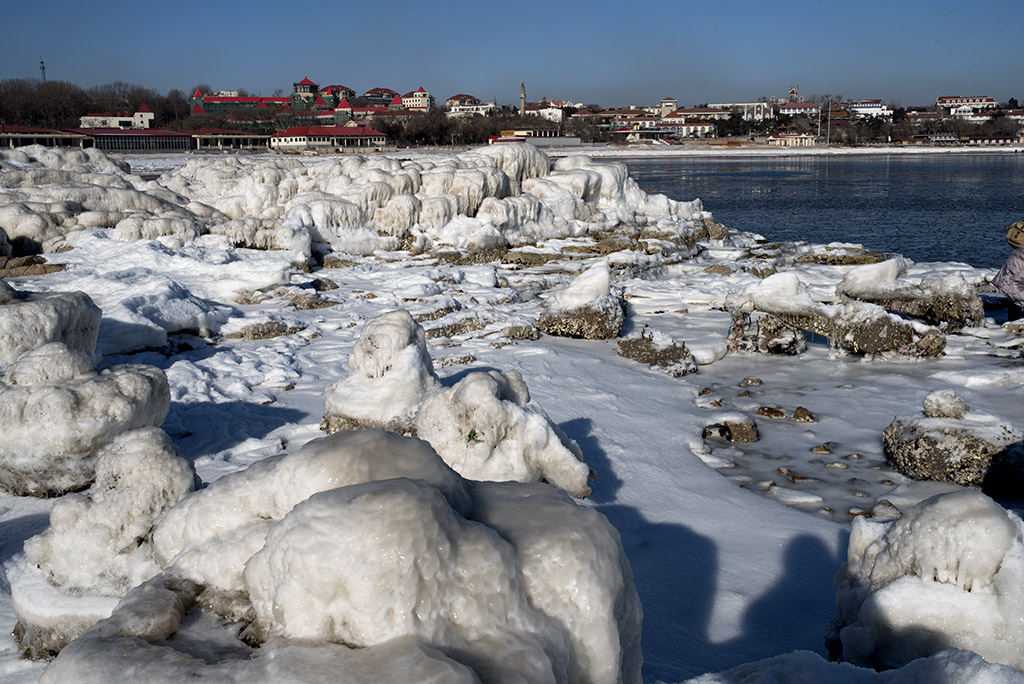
x: 198, y: 109
x: 306, y: 81
x: 198, y: 93
x: 143, y: 109
x: 305, y: 131
x: 421, y: 90
x: 397, y: 100
x: 380, y: 92
x: 244, y: 100
x: 344, y: 104
x: 319, y: 101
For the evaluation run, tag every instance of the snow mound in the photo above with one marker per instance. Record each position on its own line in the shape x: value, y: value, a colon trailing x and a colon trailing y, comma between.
x: 57, y: 413
x: 390, y: 373
x: 486, y: 428
x: 98, y: 545
x: 368, y: 540
x: 951, y: 665
x: 949, y: 573
x: 28, y: 320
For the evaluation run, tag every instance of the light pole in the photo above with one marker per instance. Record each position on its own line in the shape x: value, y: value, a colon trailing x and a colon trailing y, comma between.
x: 828, y: 128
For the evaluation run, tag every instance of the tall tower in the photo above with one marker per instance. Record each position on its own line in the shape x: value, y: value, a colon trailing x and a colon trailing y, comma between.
x: 42, y: 69
x: 522, y: 99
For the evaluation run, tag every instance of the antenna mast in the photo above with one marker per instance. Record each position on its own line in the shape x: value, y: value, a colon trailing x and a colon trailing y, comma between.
x: 42, y: 68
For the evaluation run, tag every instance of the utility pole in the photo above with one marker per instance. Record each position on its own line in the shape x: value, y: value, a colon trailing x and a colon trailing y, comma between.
x: 42, y: 68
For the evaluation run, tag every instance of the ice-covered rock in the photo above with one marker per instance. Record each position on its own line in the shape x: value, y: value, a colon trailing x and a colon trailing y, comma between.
x: 948, y: 573
x: 98, y: 545
x: 367, y: 540
x: 951, y: 665
x: 390, y: 373
x: 949, y: 444
x: 949, y: 302
x: 57, y: 412
x: 30, y: 319
x: 487, y: 428
x: 854, y: 327
x: 587, y: 307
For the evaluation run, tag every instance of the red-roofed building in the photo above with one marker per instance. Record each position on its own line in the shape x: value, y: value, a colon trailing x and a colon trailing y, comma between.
x: 418, y: 100
x: 379, y: 96
x: 328, y: 139
x: 337, y: 93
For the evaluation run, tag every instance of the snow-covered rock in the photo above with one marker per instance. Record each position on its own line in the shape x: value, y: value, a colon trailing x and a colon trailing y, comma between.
x: 948, y: 573
x: 30, y: 319
x: 57, y: 412
x: 587, y: 307
x: 949, y: 302
x: 367, y: 540
x: 98, y: 545
x: 390, y: 373
x: 487, y: 428
x: 949, y: 444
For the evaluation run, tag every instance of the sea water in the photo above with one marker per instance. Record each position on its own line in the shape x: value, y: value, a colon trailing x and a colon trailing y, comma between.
x: 927, y: 207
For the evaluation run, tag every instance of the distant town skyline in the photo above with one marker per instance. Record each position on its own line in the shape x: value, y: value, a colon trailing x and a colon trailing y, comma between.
x: 612, y: 54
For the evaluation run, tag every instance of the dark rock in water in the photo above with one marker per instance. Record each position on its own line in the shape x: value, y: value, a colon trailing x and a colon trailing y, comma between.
x: 771, y: 412
x: 802, y: 415
x: 956, y: 451
x: 733, y: 431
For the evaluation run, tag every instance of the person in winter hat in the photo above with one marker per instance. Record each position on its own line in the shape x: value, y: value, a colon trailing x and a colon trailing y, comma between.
x: 1010, y: 279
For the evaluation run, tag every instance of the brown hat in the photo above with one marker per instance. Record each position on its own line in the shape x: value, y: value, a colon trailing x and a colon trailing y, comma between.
x: 1015, y: 235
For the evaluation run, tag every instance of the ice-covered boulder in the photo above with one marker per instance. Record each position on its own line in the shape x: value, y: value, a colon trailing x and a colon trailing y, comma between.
x: 949, y: 302
x: 98, y: 545
x: 948, y: 573
x: 951, y: 665
x: 487, y: 428
x: 854, y: 327
x: 587, y: 307
x: 30, y: 319
x: 950, y: 444
x: 390, y: 373
x: 366, y: 549
x: 57, y: 412
x: 767, y: 334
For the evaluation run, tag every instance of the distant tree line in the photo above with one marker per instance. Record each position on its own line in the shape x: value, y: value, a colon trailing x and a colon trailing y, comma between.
x: 59, y: 104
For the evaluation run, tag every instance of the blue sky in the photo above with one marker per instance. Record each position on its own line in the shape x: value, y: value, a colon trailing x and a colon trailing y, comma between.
x: 609, y: 53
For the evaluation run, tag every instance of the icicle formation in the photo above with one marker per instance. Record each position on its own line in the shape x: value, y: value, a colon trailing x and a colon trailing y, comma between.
x: 949, y: 573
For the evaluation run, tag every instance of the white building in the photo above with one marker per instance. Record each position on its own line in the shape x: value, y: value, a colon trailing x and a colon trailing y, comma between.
x: 949, y: 103
x: 329, y: 139
x: 794, y: 108
x: 869, y: 108
x: 419, y: 100
x: 140, y: 119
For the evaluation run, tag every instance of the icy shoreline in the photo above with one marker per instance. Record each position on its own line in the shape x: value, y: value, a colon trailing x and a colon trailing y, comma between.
x: 726, y: 576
